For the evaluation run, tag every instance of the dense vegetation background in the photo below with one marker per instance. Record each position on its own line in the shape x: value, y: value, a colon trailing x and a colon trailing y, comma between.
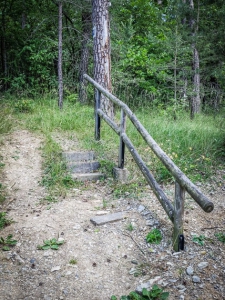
x: 152, y: 49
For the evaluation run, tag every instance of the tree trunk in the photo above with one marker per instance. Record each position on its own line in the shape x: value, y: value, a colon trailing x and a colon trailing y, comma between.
x: 102, y: 57
x: 195, y: 99
x: 86, y: 25
x: 60, y: 75
x: 3, y: 54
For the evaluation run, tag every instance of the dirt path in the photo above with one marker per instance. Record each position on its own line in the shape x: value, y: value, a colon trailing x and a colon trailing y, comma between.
x: 110, y: 259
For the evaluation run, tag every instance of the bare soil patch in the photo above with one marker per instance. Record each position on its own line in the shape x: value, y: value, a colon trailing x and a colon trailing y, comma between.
x: 110, y: 259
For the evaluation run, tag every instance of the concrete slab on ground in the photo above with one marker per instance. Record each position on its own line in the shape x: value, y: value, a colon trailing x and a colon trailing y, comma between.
x: 100, y: 220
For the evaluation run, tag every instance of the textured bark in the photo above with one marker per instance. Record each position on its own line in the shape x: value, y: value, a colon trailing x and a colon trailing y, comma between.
x: 86, y: 26
x: 60, y: 75
x: 102, y: 60
x: 195, y: 99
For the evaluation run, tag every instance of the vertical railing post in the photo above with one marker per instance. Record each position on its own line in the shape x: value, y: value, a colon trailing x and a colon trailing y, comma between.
x: 122, y: 145
x: 178, y: 238
x: 97, y: 117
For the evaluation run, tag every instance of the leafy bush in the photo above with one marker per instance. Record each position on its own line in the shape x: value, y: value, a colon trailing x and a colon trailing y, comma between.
x: 24, y: 106
x: 154, y: 236
x: 3, y: 220
x: 220, y: 236
x: 154, y: 293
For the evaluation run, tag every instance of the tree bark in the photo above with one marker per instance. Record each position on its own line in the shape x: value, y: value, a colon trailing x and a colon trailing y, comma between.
x: 60, y: 75
x: 102, y: 55
x: 195, y: 99
x: 86, y: 25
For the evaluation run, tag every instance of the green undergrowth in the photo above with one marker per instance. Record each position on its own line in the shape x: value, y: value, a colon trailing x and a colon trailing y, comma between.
x: 196, y: 146
x: 6, y: 124
x: 56, y: 178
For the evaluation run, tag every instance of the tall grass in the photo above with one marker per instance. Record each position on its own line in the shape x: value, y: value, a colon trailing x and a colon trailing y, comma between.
x: 6, y: 124
x: 196, y: 146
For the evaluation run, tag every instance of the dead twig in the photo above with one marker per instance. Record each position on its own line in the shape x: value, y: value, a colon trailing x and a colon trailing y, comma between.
x: 127, y: 234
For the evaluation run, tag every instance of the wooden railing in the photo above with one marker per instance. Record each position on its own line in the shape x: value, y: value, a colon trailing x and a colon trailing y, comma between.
x: 174, y: 211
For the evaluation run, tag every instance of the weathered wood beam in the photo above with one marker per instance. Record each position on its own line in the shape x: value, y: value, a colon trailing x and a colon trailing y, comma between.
x: 180, y: 177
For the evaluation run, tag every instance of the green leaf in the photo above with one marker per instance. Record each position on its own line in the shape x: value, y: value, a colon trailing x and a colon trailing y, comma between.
x: 164, y: 295
x: 134, y: 296
x: 124, y: 298
x: 45, y: 247
x: 145, y: 292
x: 47, y: 242
x: 5, y: 248
x: 53, y: 241
x: 113, y: 298
x: 54, y: 247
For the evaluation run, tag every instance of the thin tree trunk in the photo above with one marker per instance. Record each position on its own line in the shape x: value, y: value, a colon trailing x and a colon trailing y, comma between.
x: 102, y: 55
x: 3, y: 54
x: 195, y: 99
x: 86, y: 22
x: 60, y: 75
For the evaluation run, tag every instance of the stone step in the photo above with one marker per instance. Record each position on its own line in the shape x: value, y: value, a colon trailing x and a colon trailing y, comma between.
x: 87, y: 176
x: 83, y: 167
x: 78, y: 156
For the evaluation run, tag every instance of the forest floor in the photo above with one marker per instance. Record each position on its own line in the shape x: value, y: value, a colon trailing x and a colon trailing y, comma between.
x: 96, y: 262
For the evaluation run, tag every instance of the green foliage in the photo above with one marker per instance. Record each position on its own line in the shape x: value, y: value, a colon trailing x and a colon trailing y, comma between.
x: 24, y: 106
x: 56, y: 177
x: 154, y: 236
x: 6, y: 243
x: 154, y: 293
x: 73, y: 261
x: 220, y: 236
x: 130, y: 227
x: 50, y: 244
x: 6, y: 120
x: 4, y: 221
x: 199, y: 239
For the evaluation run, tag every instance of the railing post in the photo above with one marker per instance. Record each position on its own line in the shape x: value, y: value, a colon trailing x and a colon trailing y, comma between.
x: 178, y: 238
x: 97, y: 117
x: 122, y: 145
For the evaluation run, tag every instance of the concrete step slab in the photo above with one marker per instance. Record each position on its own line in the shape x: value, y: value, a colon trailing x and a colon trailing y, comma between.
x: 100, y: 220
x: 83, y: 167
x: 78, y: 156
x: 87, y: 176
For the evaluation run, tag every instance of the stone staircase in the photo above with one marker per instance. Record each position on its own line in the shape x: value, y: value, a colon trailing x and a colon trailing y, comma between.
x: 82, y: 165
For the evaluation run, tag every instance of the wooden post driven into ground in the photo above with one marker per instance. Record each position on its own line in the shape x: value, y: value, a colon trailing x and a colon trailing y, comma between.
x: 174, y: 211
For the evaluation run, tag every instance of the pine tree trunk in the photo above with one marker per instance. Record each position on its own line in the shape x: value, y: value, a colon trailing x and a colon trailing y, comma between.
x: 60, y: 75
x: 86, y: 23
x: 102, y: 59
x: 195, y: 99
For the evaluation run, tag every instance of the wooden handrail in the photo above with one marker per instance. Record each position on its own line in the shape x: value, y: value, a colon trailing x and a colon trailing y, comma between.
x: 184, y: 182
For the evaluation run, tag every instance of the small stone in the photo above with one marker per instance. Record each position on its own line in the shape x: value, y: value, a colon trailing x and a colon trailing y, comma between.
x: 150, y: 222
x: 145, y: 285
x: 202, y: 252
x: 189, y: 270
x: 65, y: 292
x: 68, y: 273
x: 196, y: 279
x: 170, y: 264
x: 132, y: 271
x: 57, y: 268
x: 181, y: 297
x: 181, y: 287
x: 128, y: 286
x: 203, y: 265
x: 60, y: 239
x: 141, y: 208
